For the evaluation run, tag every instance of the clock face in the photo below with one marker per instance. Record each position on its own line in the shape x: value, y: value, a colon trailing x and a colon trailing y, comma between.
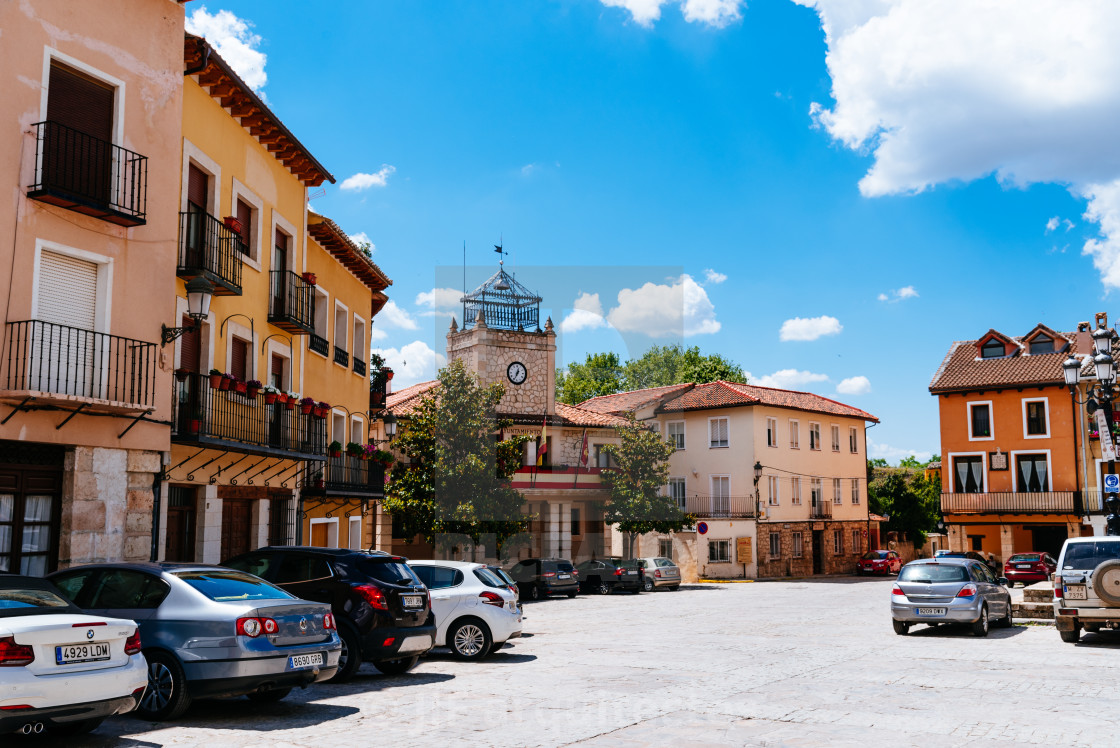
x: 517, y: 372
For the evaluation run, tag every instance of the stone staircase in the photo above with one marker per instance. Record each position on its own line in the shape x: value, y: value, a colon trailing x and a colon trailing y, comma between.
x: 1037, y: 603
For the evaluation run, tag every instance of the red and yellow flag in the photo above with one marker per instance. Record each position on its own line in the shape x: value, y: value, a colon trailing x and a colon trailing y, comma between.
x: 542, y: 450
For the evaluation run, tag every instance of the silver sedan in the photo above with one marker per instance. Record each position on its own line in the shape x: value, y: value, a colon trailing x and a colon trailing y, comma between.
x: 660, y: 572
x: 949, y: 590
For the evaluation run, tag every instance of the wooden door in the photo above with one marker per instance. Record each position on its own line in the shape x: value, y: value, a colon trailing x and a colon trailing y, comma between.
x: 237, y: 527
x: 319, y: 535
x: 77, y: 148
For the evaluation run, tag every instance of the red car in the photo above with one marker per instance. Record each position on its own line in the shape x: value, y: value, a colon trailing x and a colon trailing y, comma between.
x: 879, y: 562
x: 1028, y: 568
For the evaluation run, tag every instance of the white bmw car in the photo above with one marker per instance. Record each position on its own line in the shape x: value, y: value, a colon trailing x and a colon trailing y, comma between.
x: 476, y: 611
x: 62, y: 671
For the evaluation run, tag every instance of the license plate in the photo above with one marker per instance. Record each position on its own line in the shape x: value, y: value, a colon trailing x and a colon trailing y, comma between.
x: 1022, y: 566
x: 564, y: 576
x: 931, y: 611
x: 1075, y: 592
x: 632, y: 572
x: 68, y: 654
x: 298, y: 662
x: 412, y: 601
x: 416, y: 644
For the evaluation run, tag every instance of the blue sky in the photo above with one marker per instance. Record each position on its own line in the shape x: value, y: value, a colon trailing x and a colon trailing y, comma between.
x: 827, y: 192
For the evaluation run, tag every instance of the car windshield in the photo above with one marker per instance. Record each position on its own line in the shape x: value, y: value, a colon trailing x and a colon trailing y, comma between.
x: 225, y: 586
x: 1023, y: 557
x: 391, y: 571
x: 489, y: 578
x: 500, y: 574
x: 933, y: 573
x: 872, y: 555
x: 23, y: 598
x: 1090, y: 555
x: 662, y: 562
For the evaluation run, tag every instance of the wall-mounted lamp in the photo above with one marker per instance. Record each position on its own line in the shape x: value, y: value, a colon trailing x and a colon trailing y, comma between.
x: 199, y: 294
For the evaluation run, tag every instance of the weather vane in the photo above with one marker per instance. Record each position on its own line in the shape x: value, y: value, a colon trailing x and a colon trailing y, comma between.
x: 501, y: 252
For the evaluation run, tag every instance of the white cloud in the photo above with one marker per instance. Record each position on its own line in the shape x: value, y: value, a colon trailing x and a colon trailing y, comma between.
x: 439, y: 302
x: 860, y: 385
x: 237, y: 45
x: 711, y: 276
x: 883, y: 297
x: 393, y: 316
x: 362, y: 181
x: 894, y: 454
x: 809, y: 328
x: 412, y: 363
x: 959, y: 90
x: 586, y: 314
x: 660, y: 310
x: 363, y: 238
x: 898, y: 294
x: 376, y: 333
x: 528, y: 169
x: 717, y: 13
x: 787, y: 379
x: 1052, y: 224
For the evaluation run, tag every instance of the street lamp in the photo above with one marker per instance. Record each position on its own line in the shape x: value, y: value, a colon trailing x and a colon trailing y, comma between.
x: 390, y: 422
x: 199, y: 294
x: 757, y: 476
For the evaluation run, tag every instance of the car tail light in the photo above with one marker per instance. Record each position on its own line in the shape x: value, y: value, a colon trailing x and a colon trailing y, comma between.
x: 15, y: 655
x: 896, y: 590
x: 270, y: 626
x: 139, y: 691
x: 575, y: 572
x: 491, y: 598
x: 618, y: 572
x: 132, y: 643
x: 548, y: 574
x: 17, y: 707
x: 657, y: 573
x: 87, y: 625
x: 252, y: 627
x: 372, y: 595
x: 328, y: 622
x: 389, y: 642
x: 1057, y: 589
x: 969, y: 590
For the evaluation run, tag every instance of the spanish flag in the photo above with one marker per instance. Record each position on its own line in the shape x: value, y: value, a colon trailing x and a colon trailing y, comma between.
x: 542, y: 450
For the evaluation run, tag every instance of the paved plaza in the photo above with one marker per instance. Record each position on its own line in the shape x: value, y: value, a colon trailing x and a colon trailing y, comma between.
x: 796, y: 663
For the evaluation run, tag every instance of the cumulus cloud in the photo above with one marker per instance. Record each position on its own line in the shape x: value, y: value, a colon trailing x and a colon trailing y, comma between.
x: 393, y: 316
x: 363, y: 181
x: 586, y: 314
x: 860, y: 385
x: 412, y: 363
x: 809, y: 328
x: 898, y: 294
x: 663, y: 310
x: 711, y: 276
x: 376, y: 334
x: 716, y: 13
x: 894, y: 454
x: 363, y: 238
x: 439, y: 302
x: 959, y: 90
x: 235, y: 42
x: 788, y: 379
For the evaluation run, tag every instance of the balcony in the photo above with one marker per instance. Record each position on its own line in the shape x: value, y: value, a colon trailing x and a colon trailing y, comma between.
x: 359, y: 365
x: 377, y: 394
x: 720, y: 507
x: 226, y: 419
x: 98, y: 372
x: 291, y: 305
x: 1008, y: 502
x: 208, y: 248
x: 341, y: 357
x: 820, y: 510
x: 345, y: 476
x: 559, y: 477
x: 320, y: 345
x: 87, y: 175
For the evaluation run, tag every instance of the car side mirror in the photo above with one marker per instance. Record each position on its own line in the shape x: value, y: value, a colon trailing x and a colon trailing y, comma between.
x: 1004, y: 582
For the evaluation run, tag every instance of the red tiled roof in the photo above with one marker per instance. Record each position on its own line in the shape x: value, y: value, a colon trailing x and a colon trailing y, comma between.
x: 404, y: 403
x: 731, y: 394
x: 963, y: 369
x: 580, y: 416
x: 628, y: 402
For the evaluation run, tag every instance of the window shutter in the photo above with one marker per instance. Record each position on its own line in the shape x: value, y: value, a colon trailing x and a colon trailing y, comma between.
x: 713, y: 428
x: 80, y: 102
x: 67, y: 291
x: 238, y: 356
x: 190, y: 351
x: 277, y: 371
x: 198, y: 183
x: 723, y: 425
x: 245, y: 215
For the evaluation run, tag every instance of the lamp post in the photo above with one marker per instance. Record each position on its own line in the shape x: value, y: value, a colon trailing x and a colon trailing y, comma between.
x: 199, y: 294
x: 1099, y: 397
x: 757, y: 476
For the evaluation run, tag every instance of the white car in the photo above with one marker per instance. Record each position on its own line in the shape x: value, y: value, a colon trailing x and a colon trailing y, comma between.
x: 1087, y: 586
x: 476, y: 612
x: 60, y: 670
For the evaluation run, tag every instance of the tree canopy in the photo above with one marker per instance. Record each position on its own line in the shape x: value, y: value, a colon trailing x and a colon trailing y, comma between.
x: 912, y: 501
x: 661, y: 365
x: 600, y: 374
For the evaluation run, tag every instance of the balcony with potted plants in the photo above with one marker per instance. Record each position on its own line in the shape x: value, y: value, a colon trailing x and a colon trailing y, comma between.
x: 356, y: 470
x: 211, y: 248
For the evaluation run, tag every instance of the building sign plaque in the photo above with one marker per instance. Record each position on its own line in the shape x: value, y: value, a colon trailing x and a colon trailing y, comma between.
x: 744, y: 552
x: 997, y: 460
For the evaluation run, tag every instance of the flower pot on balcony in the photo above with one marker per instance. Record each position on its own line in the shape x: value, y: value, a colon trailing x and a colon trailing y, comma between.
x: 233, y: 224
x: 270, y: 398
x: 226, y: 383
x: 181, y: 375
x: 305, y: 408
x: 194, y: 425
x: 241, y: 388
x: 310, y: 278
x: 252, y: 391
x: 290, y: 404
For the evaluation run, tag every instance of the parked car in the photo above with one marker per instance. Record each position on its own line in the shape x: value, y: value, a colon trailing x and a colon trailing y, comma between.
x: 209, y: 631
x: 603, y: 576
x: 541, y: 577
x: 382, y: 609
x: 974, y: 555
x: 949, y: 590
x: 660, y: 572
x: 1085, y: 586
x: 1028, y: 568
x: 62, y: 671
x: 502, y: 574
x: 879, y: 562
x: 476, y: 612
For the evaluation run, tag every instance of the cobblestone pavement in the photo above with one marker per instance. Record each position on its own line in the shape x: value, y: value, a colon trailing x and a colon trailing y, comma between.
x: 797, y: 663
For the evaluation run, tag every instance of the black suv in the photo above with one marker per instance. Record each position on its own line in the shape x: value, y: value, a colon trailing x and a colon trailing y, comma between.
x: 541, y: 577
x: 383, y: 611
x: 605, y: 575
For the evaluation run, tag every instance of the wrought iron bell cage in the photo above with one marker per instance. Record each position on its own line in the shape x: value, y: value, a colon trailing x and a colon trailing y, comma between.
x: 504, y: 303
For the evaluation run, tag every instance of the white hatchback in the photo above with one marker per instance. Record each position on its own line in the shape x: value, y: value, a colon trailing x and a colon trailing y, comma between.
x: 62, y: 671
x: 476, y: 612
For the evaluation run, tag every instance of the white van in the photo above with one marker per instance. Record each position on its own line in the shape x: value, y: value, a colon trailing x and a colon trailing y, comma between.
x: 1087, y: 586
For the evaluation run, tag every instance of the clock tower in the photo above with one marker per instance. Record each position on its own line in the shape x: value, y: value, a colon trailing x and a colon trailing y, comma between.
x: 502, y: 341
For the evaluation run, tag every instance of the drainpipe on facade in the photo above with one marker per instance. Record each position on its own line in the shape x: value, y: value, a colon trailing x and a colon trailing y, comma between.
x: 157, y: 485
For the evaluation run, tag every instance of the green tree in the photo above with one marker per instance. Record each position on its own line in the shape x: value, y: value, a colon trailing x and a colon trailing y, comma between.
x: 455, y: 480
x: 664, y: 365
x: 641, y: 469
x: 600, y: 374
x: 910, y: 500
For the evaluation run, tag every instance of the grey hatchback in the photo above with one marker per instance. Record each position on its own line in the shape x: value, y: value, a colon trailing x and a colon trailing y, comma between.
x: 949, y: 590
x: 208, y: 631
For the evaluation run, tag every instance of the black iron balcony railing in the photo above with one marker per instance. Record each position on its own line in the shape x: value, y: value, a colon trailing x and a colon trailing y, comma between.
x: 341, y: 356
x: 89, y: 175
x: 733, y: 507
x: 207, y: 247
x: 345, y: 475
x: 45, y: 357
x: 359, y: 365
x: 1008, y: 502
x: 291, y: 304
x: 820, y: 510
x: 320, y: 345
x: 377, y: 394
x: 237, y: 422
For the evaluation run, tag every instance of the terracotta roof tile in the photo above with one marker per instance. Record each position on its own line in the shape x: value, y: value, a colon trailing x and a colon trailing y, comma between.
x: 731, y: 394
x: 580, y: 416
x: 628, y: 402
x: 963, y: 369
x: 404, y: 403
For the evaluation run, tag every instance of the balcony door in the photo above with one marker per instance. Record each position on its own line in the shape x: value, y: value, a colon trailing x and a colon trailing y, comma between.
x: 77, y: 152
x: 198, y: 188
x: 279, y: 269
x: 1032, y: 473
x: 968, y: 474
x: 63, y: 343
x: 721, y: 496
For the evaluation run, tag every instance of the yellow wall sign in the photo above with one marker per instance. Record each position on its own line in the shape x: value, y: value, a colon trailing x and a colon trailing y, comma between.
x: 744, y: 551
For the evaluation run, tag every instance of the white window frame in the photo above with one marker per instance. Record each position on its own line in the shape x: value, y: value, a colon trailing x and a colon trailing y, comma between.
x: 240, y: 331
x: 669, y: 431
x: 773, y: 490
x: 837, y: 542
x: 358, y: 424
x: 683, y: 498
x: 717, y: 419
x: 277, y: 348
x: 991, y: 420
x: 712, y: 492
x: 798, y: 544
x: 337, y: 417
x: 256, y: 233
x: 774, y: 555
x: 837, y: 492
x: 724, y: 551
x: 661, y: 547
x: 345, y: 313
x: 772, y: 432
x: 192, y: 154
x: 1046, y: 413
x: 814, y: 436
x: 289, y: 228
x: 103, y: 304
x: 1011, y: 456
x: 323, y: 306
x: 857, y: 542
x: 795, y: 490
x: 816, y: 486
x: 853, y: 440
x: 49, y: 54
x: 794, y: 433
x: 329, y: 521
x: 358, y: 340
x: 349, y: 532
x: 855, y: 492
x: 983, y: 464
x: 834, y: 433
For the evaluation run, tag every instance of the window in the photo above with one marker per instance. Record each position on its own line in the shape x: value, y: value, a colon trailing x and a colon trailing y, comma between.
x: 77, y: 141
x: 796, y: 545
x: 814, y: 436
x: 438, y: 577
x: 855, y: 490
x: 980, y: 420
x: 602, y: 457
x: 576, y: 526
x: 665, y: 548
x: 676, y: 433
x: 719, y: 551
x: 125, y: 588
x: 655, y: 427
x: 816, y: 491
x: 853, y: 440
x: 244, y: 213
x: 772, y: 486
x: 794, y: 436
x: 676, y: 491
x: 1032, y: 473
x: 239, y: 359
x: 993, y: 348
x: 836, y: 497
x: 279, y: 521
x: 835, y: 438
x: 717, y: 428
x: 771, y: 432
x: 1042, y: 344
x: 838, y: 542
x: 968, y: 474
x: 795, y: 490
x: 977, y: 542
x: 1036, y: 422
x: 318, y: 340
x: 360, y: 350
x: 721, y: 495
x: 180, y: 524
x: 301, y: 567
x: 341, y: 355
x: 775, y: 545
x: 857, y: 543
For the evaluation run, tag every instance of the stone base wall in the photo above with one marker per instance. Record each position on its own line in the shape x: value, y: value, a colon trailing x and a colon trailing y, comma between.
x: 107, y: 502
x: 787, y: 564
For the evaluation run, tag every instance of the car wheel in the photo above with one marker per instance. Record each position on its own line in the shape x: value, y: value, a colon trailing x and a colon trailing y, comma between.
x: 270, y: 696
x: 166, y: 696
x: 534, y: 592
x: 350, y: 658
x: 647, y: 585
x: 901, y: 627
x: 1071, y: 637
x: 980, y: 628
x: 470, y: 639
x: 77, y: 728
x: 674, y: 588
x: 399, y: 666
x: 603, y: 588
